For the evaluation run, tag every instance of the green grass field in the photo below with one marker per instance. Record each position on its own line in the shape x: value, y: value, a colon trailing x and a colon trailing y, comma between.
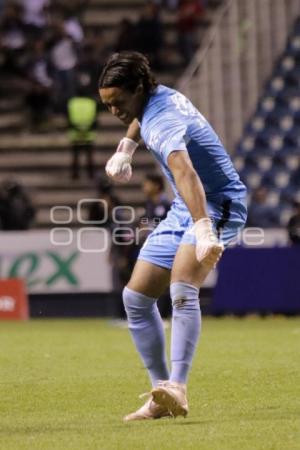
x: 65, y: 384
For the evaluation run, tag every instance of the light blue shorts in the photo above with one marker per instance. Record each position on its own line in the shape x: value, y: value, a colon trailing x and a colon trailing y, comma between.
x: 161, y: 245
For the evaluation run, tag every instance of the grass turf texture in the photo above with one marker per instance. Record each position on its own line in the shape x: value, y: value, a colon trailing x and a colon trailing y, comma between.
x: 65, y: 384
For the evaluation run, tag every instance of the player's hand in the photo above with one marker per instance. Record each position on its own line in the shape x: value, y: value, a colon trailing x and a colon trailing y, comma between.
x: 208, y: 248
x: 118, y: 166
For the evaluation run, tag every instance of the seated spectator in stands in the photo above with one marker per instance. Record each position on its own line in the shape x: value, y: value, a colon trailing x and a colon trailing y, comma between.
x: 82, y: 115
x: 126, y: 36
x: 189, y: 14
x: 72, y: 26
x: 41, y: 84
x: 12, y: 38
x: 35, y: 16
x: 149, y: 34
x: 260, y: 214
x: 63, y: 58
x: 2, y: 5
x: 16, y: 209
x: 293, y: 226
x: 157, y: 204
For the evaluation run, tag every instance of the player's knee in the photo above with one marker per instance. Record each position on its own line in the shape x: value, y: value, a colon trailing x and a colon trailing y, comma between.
x: 183, y: 294
x: 135, y: 302
x: 128, y: 298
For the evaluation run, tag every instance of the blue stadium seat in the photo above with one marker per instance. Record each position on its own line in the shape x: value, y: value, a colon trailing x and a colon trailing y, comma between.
x: 285, y: 213
x: 269, y: 152
x: 277, y: 178
x: 264, y: 164
x: 239, y: 163
x: 251, y: 177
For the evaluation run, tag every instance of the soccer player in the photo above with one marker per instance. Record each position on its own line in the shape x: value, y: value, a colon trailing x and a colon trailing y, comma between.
x: 208, y: 210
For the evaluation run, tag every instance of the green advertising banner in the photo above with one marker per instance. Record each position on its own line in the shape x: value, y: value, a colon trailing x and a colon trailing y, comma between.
x: 58, y: 260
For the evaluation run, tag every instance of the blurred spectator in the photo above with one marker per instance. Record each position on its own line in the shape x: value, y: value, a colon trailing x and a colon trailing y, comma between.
x: 149, y: 36
x: 126, y: 36
x: 16, y: 209
x: 12, y: 38
x: 189, y: 14
x: 35, y: 16
x: 41, y: 84
x: 157, y: 204
x: 72, y: 26
x: 260, y: 214
x: 82, y: 115
x: 2, y: 5
x: 64, y: 58
x: 293, y: 226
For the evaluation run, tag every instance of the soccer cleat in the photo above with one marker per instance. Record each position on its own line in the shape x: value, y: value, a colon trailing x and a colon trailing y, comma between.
x: 150, y: 410
x: 171, y: 396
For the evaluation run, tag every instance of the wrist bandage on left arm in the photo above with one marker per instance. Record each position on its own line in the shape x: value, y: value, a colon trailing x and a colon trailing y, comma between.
x: 118, y: 166
x: 207, y: 241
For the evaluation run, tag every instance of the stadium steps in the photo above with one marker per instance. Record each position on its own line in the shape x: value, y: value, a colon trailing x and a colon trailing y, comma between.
x: 113, y: 16
x: 55, y: 160
x: 42, y: 161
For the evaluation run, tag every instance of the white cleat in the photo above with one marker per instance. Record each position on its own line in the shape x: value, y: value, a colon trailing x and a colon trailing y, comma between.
x: 150, y: 410
x: 171, y: 396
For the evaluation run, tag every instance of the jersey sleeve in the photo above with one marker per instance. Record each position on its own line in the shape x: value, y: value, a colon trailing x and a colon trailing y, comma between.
x: 171, y: 136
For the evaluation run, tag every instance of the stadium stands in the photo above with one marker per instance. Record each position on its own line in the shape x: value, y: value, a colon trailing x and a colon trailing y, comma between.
x: 268, y: 153
x: 42, y: 160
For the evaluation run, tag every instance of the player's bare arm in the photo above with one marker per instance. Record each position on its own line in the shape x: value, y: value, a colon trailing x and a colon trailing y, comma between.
x: 188, y: 183
x: 133, y: 131
x: 192, y: 192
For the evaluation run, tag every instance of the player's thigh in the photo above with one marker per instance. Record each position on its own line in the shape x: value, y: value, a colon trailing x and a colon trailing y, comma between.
x: 149, y: 279
x: 186, y: 268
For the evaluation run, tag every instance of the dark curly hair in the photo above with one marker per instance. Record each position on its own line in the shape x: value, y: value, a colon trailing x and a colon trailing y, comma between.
x: 127, y: 70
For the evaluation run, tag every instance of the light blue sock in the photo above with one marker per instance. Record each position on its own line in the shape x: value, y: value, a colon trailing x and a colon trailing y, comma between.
x: 147, y: 331
x: 186, y: 324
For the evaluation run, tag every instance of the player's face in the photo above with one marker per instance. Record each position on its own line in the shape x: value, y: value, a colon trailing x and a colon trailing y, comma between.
x: 123, y: 104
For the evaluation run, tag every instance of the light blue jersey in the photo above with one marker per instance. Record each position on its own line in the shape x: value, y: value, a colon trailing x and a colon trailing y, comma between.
x: 171, y: 123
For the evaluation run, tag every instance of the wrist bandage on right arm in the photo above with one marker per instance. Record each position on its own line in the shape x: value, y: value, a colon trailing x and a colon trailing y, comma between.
x: 128, y: 146
x: 118, y: 166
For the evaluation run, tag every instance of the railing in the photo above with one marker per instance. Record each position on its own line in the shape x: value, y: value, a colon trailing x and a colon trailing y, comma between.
x: 228, y: 72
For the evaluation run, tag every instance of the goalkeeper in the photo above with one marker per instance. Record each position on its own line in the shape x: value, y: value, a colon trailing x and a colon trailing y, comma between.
x: 208, y: 211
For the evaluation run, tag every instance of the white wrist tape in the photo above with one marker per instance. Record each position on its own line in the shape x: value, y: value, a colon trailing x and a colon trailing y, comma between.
x: 128, y: 146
